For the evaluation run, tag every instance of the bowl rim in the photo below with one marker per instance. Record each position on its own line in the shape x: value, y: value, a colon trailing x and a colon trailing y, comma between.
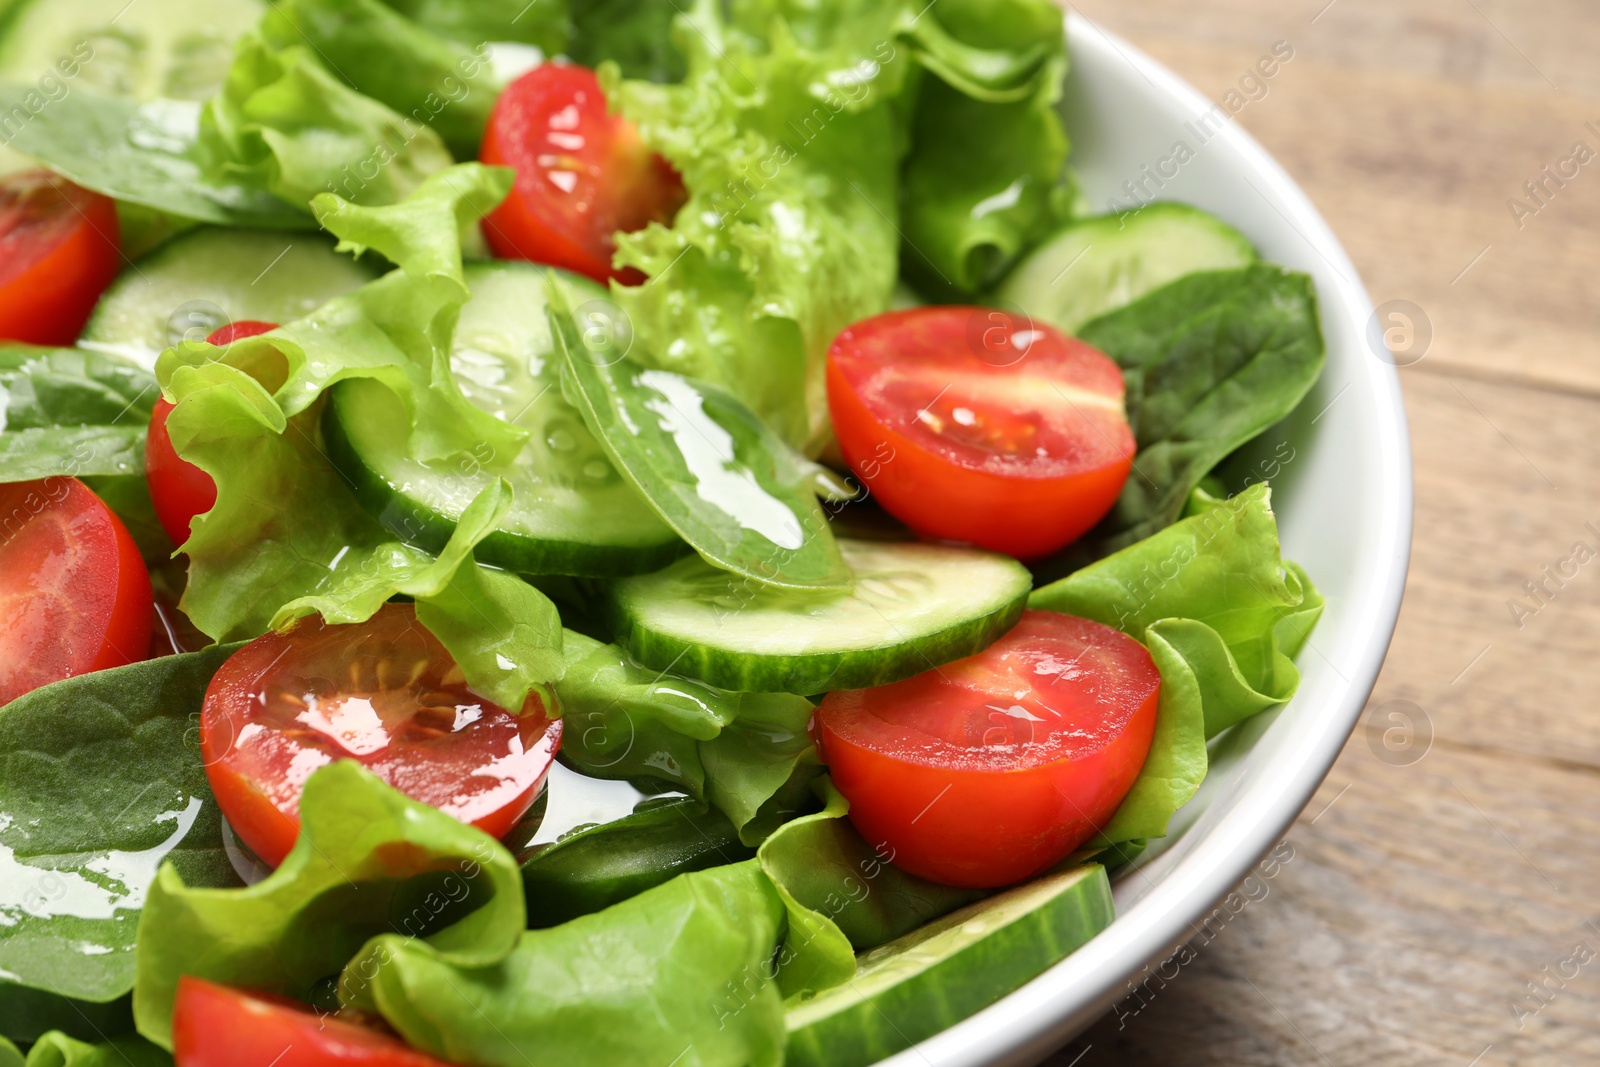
x: 1033, y: 1020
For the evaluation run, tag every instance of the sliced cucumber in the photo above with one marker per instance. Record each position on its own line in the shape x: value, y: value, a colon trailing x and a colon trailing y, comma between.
x: 571, y: 512
x: 1094, y: 265
x: 941, y: 973
x: 912, y: 607
x: 179, y: 49
x: 210, y: 277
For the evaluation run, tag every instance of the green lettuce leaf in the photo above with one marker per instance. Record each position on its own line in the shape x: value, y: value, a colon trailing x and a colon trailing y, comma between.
x: 790, y: 156
x: 285, y: 123
x: 1222, y: 614
x: 984, y: 175
x: 708, y: 465
x: 368, y: 861
x: 545, y: 24
x: 842, y: 896
x: 1211, y: 361
x: 58, y: 1050
x: 431, y: 80
x: 9, y: 1056
x: 679, y: 974
x: 748, y: 754
x: 287, y: 536
x: 64, y: 411
x: 100, y: 783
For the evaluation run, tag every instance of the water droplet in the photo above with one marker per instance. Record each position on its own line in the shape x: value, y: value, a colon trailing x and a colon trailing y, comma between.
x: 598, y: 469
x: 561, y: 440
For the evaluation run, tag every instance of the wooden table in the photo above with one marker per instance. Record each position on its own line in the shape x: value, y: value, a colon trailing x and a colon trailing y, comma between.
x: 1425, y: 895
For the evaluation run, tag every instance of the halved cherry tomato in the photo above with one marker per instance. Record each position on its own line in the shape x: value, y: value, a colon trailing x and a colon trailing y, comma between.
x: 989, y: 770
x: 214, y: 1026
x: 384, y: 693
x: 74, y: 593
x: 971, y: 424
x: 178, y: 489
x: 583, y: 174
x: 58, y: 252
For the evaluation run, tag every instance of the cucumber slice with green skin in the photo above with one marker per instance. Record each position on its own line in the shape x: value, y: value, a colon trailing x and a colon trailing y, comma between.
x: 179, y: 49
x: 911, y: 608
x: 939, y: 974
x: 1095, y: 265
x: 571, y: 512
x: 605, y: 865
x: 212, y: 276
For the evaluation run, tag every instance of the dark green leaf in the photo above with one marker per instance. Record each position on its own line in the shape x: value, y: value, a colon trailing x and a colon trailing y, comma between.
x: 1211, y: 361
x: 709, y: 466
x: 143, y: 153
x: 71, y: 412
x: 634, y: 34
x: 100, y: 783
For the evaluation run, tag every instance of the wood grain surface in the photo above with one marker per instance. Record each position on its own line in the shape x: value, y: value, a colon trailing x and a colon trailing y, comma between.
x: 1441, y: 904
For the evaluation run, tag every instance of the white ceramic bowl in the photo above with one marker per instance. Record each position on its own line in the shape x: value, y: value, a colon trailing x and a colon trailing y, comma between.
x: 1344, y: 512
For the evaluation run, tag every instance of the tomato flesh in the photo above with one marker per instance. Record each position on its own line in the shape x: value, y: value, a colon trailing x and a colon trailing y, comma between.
x: 214, y: 1026
x: 583, y: 174
x: 178, y: 489
x: 74, y: 593
x: 384, y: 693
x: 988, y: 771
x: 975, y: 425
x: 58, y: 252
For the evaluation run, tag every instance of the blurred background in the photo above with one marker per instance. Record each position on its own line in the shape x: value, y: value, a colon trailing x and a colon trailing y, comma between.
x: 1438, y: 900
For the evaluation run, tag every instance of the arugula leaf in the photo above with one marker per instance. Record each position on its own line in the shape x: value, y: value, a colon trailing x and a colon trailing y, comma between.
x: 368, y: 861
x: 1221, y: 613
x: 287, y: 535
x: 1211, y: 361
x: 983, y: 177
x: 842, y: 896
x: 100, y: 782
x: 64, y: 411
x: 746, y: 753
x: 144, y: 154
x: 679, y: 973
x: 710, y: 467
x: 59, y: 1050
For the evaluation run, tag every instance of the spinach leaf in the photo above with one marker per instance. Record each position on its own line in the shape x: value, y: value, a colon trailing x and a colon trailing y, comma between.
x: 708, y: 465
x: 26, y: 1014
x: 634, y: 34
x: 64, y: 411
x: 59, y: 1050
x: 1211, y: 361
x: 678, y: 974
x: 546, y: 24
x: 145, y: 154
x: 746, y: 753
x: 369, y: 860
x: 100, y: 783
x: 1222, y: 614
x: 842, y: 896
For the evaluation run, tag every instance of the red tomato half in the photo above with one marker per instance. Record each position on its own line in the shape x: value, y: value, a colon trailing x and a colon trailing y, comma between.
x: 74, y: 594
x: 989, y: 770
x: 384, y: 693
x: 583, y: 174
x: 213, y: 1026
x: 971, y: 424
x: 178, y: 489
x: 58, y: 252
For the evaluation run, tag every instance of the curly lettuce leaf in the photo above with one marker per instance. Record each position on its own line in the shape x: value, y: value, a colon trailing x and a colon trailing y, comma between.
x: 1222, y: 613
x: 679, y: 974
x: 748, y: 754
x: 368, y: 861
x: 287, y: 536
x: 790, y: 156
